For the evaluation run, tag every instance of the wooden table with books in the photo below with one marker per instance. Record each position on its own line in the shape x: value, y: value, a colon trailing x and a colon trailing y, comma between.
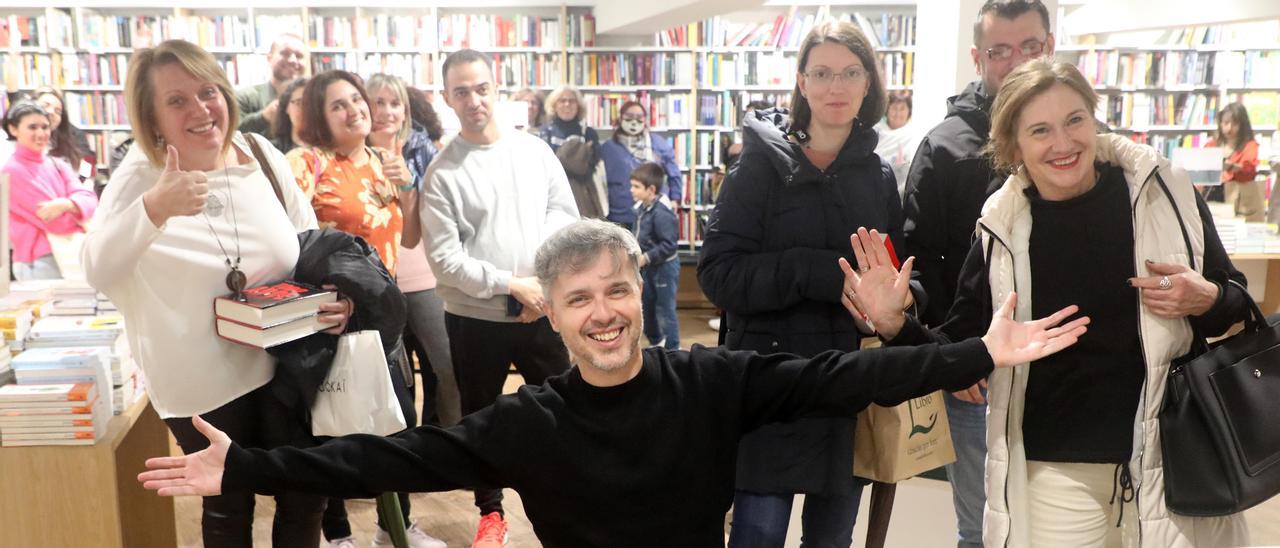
x: 88, y: 495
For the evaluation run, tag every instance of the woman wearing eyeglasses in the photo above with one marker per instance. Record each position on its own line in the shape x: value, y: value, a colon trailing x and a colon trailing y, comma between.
x: 632, y: 144
x: 807, y: 178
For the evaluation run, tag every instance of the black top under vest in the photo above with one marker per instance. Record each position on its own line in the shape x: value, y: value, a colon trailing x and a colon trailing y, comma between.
x: 1081, y: 402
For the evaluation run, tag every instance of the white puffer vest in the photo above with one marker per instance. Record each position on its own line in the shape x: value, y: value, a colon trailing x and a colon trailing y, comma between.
x: 1005, y: 229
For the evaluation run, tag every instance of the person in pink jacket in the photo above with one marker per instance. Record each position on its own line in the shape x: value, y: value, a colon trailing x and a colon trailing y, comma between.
x: 45, y: 196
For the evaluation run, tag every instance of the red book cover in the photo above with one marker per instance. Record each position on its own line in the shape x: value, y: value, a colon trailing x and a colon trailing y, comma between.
x: 267, y: 296
x: 268, y: 305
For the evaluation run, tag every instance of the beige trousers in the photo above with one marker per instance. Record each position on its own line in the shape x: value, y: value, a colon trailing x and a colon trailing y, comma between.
x: 1072, y: 506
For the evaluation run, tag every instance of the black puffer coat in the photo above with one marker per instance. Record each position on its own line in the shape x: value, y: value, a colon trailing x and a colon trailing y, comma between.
x: 950, y: 179
x: 331, y: 256
x: 769, y: 260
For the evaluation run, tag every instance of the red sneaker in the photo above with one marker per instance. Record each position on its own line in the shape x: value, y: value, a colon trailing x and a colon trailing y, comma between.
x: 492, y: 532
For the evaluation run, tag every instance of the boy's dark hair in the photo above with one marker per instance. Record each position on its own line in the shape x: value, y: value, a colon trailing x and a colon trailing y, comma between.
x: 650, y: 175
x: 1010, y: 9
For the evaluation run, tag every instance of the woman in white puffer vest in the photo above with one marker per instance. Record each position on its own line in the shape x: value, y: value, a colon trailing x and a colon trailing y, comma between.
x: 1104, y: 223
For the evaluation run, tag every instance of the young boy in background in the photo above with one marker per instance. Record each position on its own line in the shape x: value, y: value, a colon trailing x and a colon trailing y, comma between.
x: 656, y: 229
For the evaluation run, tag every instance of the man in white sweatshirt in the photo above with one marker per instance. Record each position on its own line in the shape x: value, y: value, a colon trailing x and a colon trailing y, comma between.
x: 491, y: 197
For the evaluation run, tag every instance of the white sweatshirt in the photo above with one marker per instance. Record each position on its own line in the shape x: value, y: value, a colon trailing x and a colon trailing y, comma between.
x: 164, y: 279
x: 485, y: 210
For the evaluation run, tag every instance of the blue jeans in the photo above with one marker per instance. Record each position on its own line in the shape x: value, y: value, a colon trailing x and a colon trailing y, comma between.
x: 659, y: 301
x: 43, y: 268
x: 968, y: 491
x: 761, y: 520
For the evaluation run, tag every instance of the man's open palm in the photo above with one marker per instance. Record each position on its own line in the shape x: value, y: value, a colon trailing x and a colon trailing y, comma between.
x: 199, y: 473
x: 1012, y: 343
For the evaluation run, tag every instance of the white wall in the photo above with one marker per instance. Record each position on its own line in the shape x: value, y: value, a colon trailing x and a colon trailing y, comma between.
x: 943, y: 64
x: 1120, y: 15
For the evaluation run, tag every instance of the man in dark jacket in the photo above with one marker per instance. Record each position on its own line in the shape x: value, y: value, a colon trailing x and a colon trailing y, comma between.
x: 950, y: 179
x: 643, y: 441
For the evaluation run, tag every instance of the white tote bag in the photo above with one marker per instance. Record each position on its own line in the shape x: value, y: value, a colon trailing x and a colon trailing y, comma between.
x: 357, y: 396
x: 66, y: 252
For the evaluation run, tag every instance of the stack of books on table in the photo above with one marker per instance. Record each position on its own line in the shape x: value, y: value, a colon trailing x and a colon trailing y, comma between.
x: 52, y: 414
x: 73, y: 298
x: 68, y: 365
x: 15, y: 323
x: 272, y: 315
x: 6, y: 369
x: 102, y: 332
x: 76, y: 331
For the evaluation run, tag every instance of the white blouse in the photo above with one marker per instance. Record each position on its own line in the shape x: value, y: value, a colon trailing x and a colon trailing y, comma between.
x: 164, y: 279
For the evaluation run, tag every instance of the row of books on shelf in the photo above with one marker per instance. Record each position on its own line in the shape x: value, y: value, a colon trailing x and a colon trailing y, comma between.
x: 897, y: 68
x: 528, y: 69
x: 1167, y: 143
x: 1139, y: 111
x: 102, y: 143
x: 30, y: 31
x: 1160, y: 69
x: 488, y: 31
x: 692, y: 223
x: 787, y: 30
x: 413, y: 69
x: 95, y: 108
x: 61, y: 70
x: 376, y: 31
x: 632, y: 69
x: 666, y: 110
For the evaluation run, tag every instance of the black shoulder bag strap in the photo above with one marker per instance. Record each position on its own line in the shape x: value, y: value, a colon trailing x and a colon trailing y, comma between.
x: 267, y: 170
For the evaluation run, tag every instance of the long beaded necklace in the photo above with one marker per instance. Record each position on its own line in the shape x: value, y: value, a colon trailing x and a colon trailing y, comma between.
x: 236, y: 280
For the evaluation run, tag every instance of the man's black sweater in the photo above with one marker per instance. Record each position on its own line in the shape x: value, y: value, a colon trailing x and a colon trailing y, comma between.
x: 646, y: 463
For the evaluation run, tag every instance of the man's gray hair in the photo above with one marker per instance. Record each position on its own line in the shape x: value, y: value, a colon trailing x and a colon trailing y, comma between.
x: 576, y: 247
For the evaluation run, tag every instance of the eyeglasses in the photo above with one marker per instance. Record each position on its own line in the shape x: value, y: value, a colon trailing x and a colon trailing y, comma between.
x: 1030, y: 48
x: 821, y: 78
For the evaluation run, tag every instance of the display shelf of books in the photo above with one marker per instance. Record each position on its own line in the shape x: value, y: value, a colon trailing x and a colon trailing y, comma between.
x: 1165, y: 87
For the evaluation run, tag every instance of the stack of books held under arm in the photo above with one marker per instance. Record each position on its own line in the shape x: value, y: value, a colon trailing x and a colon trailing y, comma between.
x: 271, y: 315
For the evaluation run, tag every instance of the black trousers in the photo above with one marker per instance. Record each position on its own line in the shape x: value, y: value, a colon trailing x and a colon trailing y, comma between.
x: 483, y: 353
x: 227, y: 519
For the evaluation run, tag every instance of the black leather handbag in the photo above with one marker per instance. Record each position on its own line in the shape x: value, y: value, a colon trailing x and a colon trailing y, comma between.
x: 1218, y: 427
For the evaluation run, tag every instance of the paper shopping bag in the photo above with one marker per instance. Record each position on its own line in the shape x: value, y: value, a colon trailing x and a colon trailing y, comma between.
x: 357, y: 397
x: 892, y: 444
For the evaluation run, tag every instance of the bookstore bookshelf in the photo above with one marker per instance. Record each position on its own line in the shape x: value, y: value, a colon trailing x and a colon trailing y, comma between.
x: 1166, y: 87
x: 694, y: 80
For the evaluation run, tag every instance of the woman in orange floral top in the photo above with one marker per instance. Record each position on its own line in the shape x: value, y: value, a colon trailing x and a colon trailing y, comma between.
x: 361, y: 190
x: 353, y: 187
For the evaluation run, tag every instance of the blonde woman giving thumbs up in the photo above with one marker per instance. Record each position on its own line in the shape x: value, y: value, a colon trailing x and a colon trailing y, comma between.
x: 189, y: 213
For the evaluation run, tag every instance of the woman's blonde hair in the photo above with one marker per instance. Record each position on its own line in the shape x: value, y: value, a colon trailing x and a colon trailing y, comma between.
x: 1022, y: 85
x: 379, y: 81
x: 549, y: 106
x: 847, y: 35
x: 140, y: 95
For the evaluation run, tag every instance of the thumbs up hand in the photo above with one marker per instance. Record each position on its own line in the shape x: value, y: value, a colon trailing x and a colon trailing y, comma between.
x: 394, y: 168
x: 176, y: 193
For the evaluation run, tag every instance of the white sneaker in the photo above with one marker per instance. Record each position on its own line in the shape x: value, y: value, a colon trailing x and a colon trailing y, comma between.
x: 417, y: 538
x: 714, y: 324
x: 345, y: 542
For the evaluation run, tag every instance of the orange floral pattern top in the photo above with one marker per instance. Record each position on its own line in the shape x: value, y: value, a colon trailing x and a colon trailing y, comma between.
x: 352, y: 197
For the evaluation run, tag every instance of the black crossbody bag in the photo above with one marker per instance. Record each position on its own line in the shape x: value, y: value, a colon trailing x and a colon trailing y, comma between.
x: 1217, y: 425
